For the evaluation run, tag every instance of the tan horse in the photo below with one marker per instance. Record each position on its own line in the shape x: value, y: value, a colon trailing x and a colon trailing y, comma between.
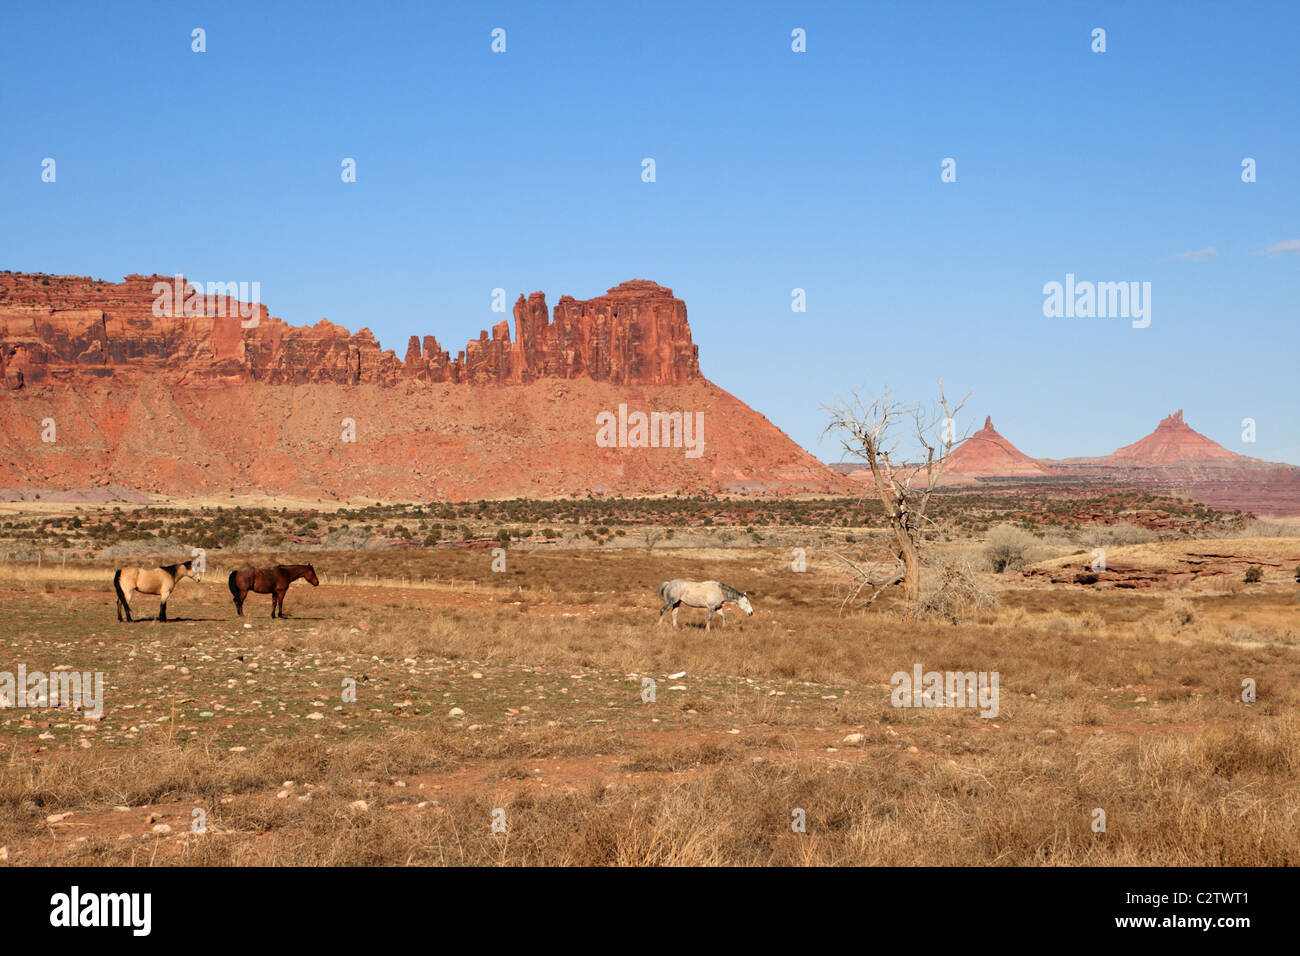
x: 159, y: 581
x: 706, y: 594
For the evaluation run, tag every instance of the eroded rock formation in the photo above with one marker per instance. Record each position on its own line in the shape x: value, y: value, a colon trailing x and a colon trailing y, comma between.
x: 61, y: 328
x: 215, y: 396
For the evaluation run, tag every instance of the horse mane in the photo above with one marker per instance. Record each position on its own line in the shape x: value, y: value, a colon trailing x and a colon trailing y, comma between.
x: 731, y: 593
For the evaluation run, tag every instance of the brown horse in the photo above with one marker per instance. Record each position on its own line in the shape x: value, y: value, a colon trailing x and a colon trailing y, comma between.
x: 273, y: 581
x: 159, y: 581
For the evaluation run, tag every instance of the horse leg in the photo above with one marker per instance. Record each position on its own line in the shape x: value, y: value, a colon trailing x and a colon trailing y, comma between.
x: 277, y: 603
x: 163, y: 594
x: 239, y: 602
x: 708, y: 621
x: 722, y: 615
x: 675, y: 607
x: 282, y: 597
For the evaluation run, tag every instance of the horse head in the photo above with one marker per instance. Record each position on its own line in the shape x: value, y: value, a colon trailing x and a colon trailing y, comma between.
x: 311, y: 576
x: 745, y: 606
x: 187, y: 569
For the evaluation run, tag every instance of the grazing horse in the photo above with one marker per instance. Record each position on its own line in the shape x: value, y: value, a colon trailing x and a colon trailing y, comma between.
x: 273, y: 581
x: 159, y: 581
x: 706, y: 594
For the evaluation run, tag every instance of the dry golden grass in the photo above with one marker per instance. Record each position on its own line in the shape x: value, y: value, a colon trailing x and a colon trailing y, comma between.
x: 1128, y: 702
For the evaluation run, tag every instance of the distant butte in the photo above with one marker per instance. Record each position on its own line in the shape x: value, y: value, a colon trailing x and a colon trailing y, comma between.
x: 1172, y: 441
x: 1173, y: 457
x: 987, y: 454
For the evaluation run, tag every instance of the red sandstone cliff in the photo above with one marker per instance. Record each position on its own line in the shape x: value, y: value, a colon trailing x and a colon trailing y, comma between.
x: 65, y: 328
x: 197, y: 400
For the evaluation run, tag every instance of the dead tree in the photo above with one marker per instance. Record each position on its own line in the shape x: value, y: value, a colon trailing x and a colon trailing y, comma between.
x: 869, y: 432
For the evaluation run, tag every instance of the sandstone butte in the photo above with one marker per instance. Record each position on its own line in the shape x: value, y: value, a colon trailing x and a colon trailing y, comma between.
x: 1174, y: 457
x: 209, y: 402
x: 987, y: 454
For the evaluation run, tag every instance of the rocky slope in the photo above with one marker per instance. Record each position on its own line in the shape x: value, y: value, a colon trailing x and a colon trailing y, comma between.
x: 204, y: 394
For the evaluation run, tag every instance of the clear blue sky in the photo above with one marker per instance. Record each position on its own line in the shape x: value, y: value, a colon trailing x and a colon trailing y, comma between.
x: 775, y: 170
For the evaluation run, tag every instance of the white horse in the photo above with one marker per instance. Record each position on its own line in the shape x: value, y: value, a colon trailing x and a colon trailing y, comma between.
x: 706, y: 594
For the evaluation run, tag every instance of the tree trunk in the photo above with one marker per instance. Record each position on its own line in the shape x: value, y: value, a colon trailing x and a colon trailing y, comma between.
x: 907, y: 553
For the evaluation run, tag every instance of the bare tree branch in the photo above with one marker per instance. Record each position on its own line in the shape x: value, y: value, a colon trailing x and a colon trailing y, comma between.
x: 867, y: 430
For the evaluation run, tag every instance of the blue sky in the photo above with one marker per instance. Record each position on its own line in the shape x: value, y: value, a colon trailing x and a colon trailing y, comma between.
x: 775, y: 170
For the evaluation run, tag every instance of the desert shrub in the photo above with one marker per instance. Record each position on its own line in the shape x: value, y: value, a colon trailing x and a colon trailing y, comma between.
x: 1266, y: 528
x: 1178, y: 614
x: 1117, y: 535
x: 1008, y: 548
x: 954, y: 590
x: 1254, y: 574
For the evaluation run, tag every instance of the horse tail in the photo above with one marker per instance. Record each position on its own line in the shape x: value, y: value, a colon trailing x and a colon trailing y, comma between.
x: 664, y: 587
x: 234, y: 588
x: 117, y: 586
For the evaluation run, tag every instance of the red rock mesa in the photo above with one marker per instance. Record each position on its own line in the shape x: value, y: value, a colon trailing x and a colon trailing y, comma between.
x: 207, y: 401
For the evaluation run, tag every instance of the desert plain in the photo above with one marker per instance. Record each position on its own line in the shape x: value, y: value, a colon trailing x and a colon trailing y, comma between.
x: 515, y: 700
